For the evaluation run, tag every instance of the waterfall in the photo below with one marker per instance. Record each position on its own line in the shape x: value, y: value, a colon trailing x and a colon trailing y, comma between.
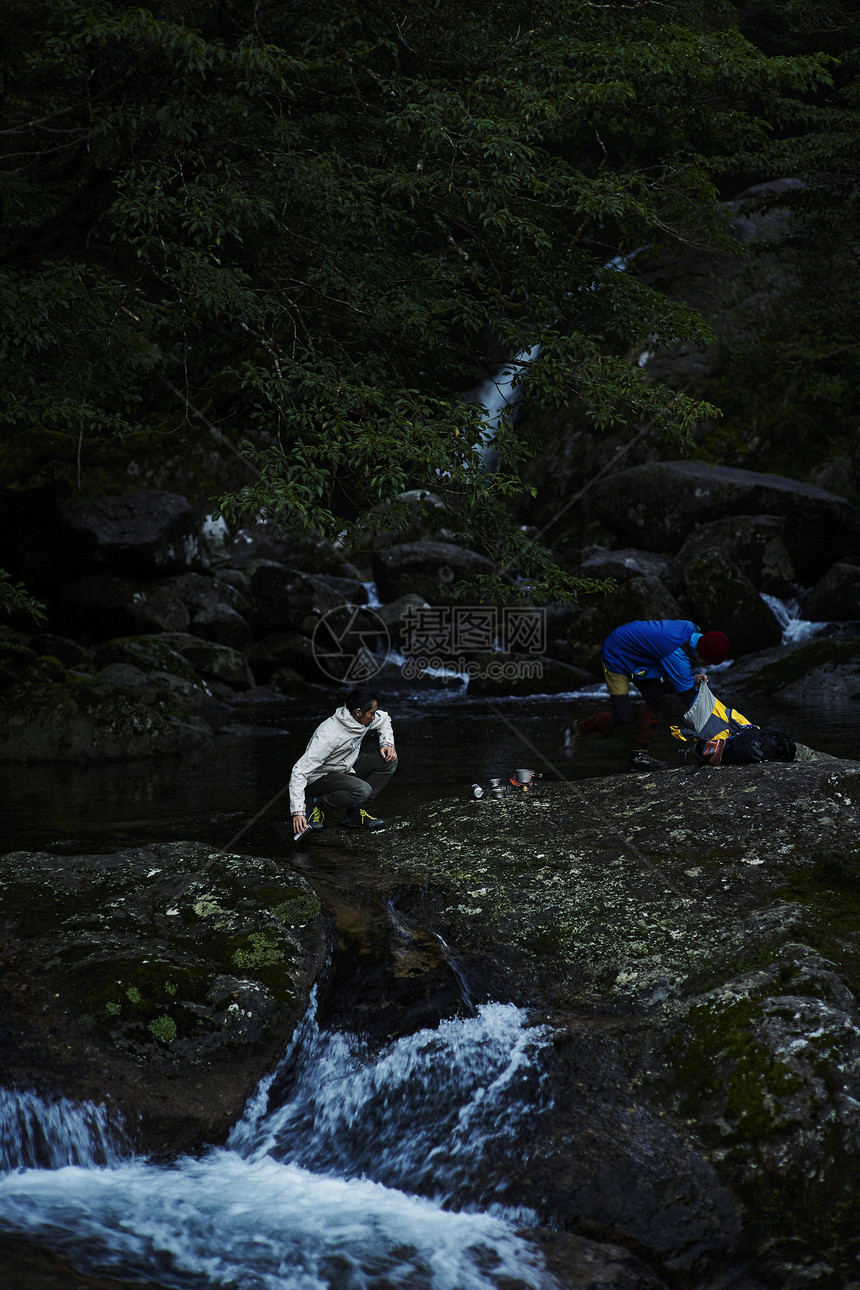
x: 794, y: 628
x: 36, y: 1133
x: 350, y: 1167
x: 498, y: 394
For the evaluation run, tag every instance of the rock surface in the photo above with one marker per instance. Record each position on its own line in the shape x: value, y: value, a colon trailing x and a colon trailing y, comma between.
x: 696, y: 937
x: 166, y: 978
x: 821, y: 527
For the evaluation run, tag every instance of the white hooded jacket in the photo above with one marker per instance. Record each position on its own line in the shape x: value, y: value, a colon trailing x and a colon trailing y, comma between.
x: 334, y: 746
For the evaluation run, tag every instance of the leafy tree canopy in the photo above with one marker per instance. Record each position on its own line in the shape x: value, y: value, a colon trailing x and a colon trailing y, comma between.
x: 322, y: 223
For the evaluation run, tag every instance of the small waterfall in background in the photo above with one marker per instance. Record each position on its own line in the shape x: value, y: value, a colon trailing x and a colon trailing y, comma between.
x: 350, y: 1168
x: 795, y: 630
x: 497, y: 395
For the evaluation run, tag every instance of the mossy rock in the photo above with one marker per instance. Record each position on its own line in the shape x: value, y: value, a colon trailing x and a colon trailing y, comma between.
x: 149, y: 653
x: 78, y: 720
x: 167, y: 977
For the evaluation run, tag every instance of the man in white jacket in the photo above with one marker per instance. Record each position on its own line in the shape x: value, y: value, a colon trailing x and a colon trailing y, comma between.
x: 335, y: 769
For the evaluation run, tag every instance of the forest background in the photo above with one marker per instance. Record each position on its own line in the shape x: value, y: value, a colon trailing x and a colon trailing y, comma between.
x: 309, y: 233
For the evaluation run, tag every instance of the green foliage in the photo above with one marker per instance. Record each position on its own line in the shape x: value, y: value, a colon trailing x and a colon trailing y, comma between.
x: 14, y: 598
x: 321, y: 225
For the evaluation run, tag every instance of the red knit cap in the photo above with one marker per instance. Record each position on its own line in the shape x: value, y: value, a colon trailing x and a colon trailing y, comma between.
x: 713, y: 647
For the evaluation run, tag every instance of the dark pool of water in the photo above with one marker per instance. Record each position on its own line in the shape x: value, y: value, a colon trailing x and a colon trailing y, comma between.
x: 446, y: 741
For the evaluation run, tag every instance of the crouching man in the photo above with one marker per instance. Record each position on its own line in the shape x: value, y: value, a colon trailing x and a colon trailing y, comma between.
x: 338, y: 772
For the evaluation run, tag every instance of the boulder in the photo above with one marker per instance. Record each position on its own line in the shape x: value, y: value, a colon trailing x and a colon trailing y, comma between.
x: 836, y: 596
x: 625, y: 563
x: 722, y: 597
x: 281, y: 650
x: 223, y: 626
x: 68, y: 651
x: 657, y: 506
x: 754, y: 543
x: 149, y: 653
x: 175, y: 974
x: 812, y: 672
x: 693, y: 938
x: 396, y: 615
x: 597, y: 616
x: 102, y: 605
x: 212, y: 661
x: 282, y: 600
x: 427, y: 569
x: 79, y: 720
x: 201, y: 591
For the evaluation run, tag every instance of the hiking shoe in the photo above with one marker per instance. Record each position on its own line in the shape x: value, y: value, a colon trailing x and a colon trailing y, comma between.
x: 570, y: 737
x: 639, y: 760
x: 357, y: 818
x: 315, y: 816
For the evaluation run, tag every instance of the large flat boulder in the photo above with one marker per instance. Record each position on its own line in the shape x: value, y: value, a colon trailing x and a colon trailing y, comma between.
x: 165, y: 979
x: 657, y: 506
x: 694, y: 936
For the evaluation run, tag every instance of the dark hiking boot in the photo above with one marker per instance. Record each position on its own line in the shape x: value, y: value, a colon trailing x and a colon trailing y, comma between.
x: 639, y: 760
x: 357, y: 818
x: 315, y: 816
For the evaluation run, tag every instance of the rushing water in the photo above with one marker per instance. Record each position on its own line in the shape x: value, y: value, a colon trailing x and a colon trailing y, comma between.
x: 351, y: 1168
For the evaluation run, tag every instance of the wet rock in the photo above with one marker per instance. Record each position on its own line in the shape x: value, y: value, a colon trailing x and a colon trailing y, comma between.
x: 722, y: 596
x: 79, y: 720
x: 755, y: 543
x: 427, y: 569
x: 595, y: 617
x: 102, y: 605
x: 657, y: 506
x: 52, y: 539
x: 167, y: 978
x: 835, y: 596
x: 136, y: 534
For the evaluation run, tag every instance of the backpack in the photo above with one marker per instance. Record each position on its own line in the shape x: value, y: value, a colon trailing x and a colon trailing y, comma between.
x: 722, y: 735
x: 758, y: 743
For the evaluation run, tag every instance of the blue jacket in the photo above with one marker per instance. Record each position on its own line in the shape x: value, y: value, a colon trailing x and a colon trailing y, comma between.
x: 657, y: 647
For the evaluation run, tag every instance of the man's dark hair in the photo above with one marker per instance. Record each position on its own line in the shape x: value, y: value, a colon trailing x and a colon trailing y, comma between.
x: 362, y: 698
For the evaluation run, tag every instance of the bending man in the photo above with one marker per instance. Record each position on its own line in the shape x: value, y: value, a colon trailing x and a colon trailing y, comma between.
x: 338, y: 772
x: 661, y: 656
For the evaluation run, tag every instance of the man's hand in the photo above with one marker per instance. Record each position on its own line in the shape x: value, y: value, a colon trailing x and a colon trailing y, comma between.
x: 300, y: 822
x: 388, y: 752
x: 701, y: 678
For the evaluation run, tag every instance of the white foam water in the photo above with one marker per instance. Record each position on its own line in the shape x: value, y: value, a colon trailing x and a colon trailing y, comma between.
x: 795, y: 630
x: 317, y: 1184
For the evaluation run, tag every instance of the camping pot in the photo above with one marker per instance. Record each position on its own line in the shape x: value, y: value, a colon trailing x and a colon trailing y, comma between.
x: 524, y: 776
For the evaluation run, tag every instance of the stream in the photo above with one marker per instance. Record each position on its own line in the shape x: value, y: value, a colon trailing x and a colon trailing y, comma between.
x: 362, y: 1162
